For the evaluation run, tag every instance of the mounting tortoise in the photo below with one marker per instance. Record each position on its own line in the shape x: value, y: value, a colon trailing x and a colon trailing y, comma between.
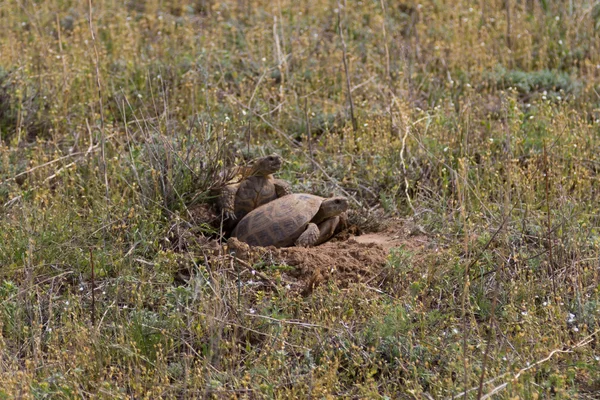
x: 301, y: 219
x: 254, y: 186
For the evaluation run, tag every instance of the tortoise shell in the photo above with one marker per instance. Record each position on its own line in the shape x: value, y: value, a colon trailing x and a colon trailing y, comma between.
x: 280, y: 222
x: 253, y: 192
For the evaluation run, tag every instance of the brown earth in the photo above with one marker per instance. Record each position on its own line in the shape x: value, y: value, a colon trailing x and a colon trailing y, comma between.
x: 345, y: 259
x: 350, y: 256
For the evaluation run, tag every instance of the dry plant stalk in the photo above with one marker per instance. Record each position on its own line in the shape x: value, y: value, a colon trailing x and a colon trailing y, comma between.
x: 99, y: 87
x: 549, y: 222
x: 93, y: 317
x: 345, y: 62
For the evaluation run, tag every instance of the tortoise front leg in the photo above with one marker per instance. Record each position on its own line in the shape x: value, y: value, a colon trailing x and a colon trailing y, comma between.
x: 327, y: 229
x: 227, y: 200
x: 309, y: 237
x: 282, y: 188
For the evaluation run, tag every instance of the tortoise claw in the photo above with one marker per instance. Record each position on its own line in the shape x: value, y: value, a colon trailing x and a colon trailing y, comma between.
x: 229, y: 215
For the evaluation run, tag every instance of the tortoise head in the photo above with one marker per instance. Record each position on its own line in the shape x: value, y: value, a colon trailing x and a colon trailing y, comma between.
x: 267, y: 165
x: 333, y: 206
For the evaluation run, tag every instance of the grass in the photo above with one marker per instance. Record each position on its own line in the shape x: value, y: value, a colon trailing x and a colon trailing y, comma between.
x: 484, y: 132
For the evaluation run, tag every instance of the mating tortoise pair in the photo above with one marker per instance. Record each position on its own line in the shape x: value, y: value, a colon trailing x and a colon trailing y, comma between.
x: 270, y: 215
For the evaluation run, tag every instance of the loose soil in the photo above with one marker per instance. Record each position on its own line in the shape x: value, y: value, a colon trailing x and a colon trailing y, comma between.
x: 350, y: 257
x: 347, y: 258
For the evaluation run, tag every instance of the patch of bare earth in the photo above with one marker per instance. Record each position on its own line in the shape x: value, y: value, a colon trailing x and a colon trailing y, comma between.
x: 345, y: 259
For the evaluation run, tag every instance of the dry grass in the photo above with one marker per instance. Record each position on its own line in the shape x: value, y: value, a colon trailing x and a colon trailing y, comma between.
x: 484, y: 131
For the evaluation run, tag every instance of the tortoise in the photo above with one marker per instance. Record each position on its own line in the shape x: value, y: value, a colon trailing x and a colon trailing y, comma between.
x: 254, y: 186
x: 301, y: 219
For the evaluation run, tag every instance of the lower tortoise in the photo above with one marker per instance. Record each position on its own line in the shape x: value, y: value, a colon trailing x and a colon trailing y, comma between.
x: 297, y: 219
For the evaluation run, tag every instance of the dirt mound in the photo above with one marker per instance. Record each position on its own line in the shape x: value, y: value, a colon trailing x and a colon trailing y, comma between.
x: 344, y: 262
x: 351, y: 256
x: 352, y: 259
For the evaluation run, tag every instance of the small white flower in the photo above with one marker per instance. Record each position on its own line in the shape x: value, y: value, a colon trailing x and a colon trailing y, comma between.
x: 470, y: 9
x: 366, y: 125
x: 253, y: 272
x: 445, y: 149
x: 560, y: 42
x: 159, y: 77
x: 419, y: 6
x: 571, y: 318
x: 454, y: 330
x: 335, y: 10
x: 139, y: 95
x: 575, y: 329
x: 160, y: 17
x: 81, y: 288
x: 252, y: 311
x: 531, y: 117
x: 558, y: 98
x: 243, y: 112
x: 264, y: 59
x: 125, y: 307
x: 67, y: 303
x: 58, y: 57
x: 288, y: 286
x: 524, y: 313
x: 545, y: 303
x: 104, y: 292
x: 491, y: 140
x: 557, y: 18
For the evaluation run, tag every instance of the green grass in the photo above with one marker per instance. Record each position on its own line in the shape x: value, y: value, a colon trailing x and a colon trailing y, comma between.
x: 485, y: 134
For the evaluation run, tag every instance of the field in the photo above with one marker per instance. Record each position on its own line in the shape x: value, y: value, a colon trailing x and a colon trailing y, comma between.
x: 466, y: 135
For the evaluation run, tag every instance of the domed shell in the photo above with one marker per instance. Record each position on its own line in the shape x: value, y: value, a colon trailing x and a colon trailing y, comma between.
x: 280, y: 222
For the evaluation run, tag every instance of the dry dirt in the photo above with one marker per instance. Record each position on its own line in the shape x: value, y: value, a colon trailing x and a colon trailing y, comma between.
x: 345, y: 259
x: 349, y: 257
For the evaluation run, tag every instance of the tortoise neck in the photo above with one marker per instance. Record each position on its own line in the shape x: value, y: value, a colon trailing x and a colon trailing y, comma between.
x: 254, y: 171
x: 319, y: 217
